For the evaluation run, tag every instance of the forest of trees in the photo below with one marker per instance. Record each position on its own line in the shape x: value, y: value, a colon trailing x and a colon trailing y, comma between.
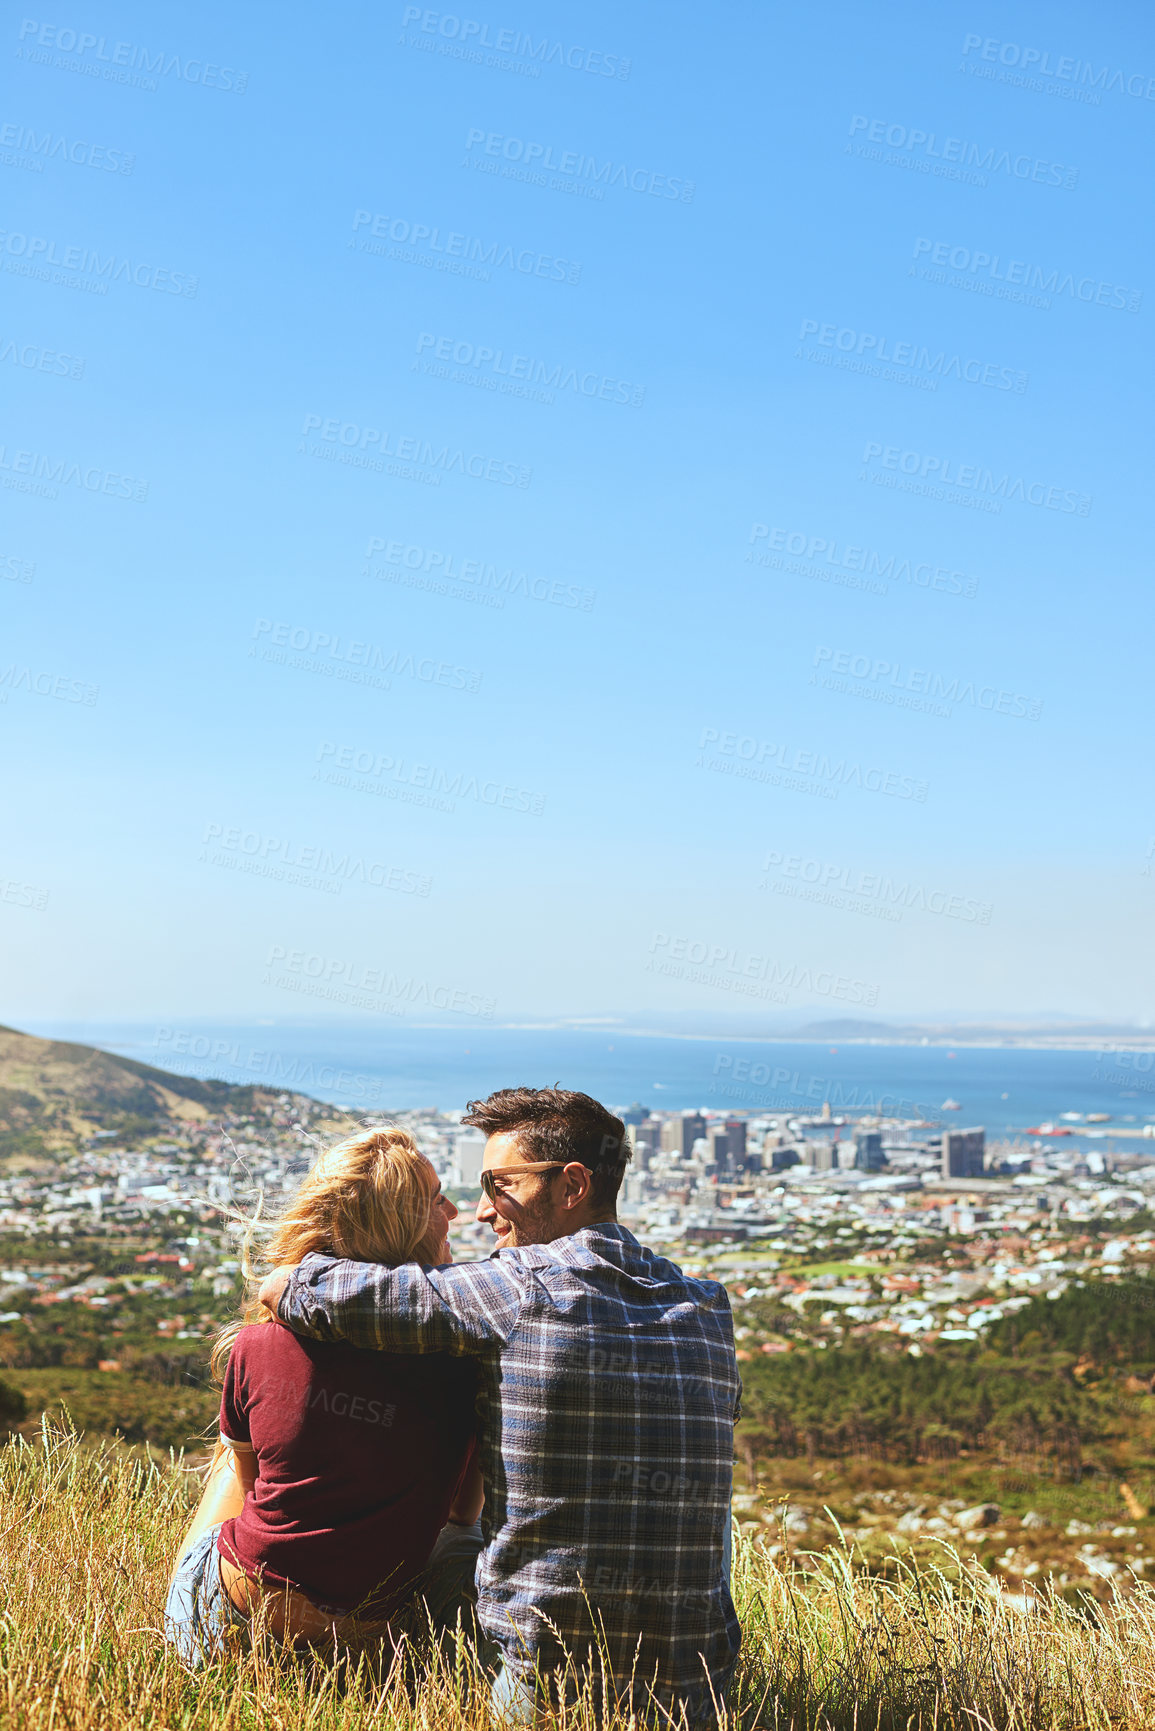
x: 1040, y: 1384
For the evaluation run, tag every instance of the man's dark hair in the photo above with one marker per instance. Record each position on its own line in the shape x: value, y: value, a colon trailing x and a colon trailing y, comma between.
x: 556, y: 1124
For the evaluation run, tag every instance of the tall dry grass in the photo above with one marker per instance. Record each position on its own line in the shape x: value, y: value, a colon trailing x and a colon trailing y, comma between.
x: 86, y: 1541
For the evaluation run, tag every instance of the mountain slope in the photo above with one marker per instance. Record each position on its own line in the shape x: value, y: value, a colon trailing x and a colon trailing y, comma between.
x: 53, y: 1092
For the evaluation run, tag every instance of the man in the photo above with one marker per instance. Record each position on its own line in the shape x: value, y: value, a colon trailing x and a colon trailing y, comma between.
x: 609, y: 1390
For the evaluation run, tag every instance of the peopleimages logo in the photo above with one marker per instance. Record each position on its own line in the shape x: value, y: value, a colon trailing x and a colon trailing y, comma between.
x: 354, y: 983
x: 22, y: 895
x: 830, y: 1088
x: 470, y: 35
x: 848, y: 558
x: 942, y: 472
x: 32, y: 255
x: 124, y: 59
x: 802, y: 771
x: 892, y: 683
x: 13, y: 569
x: 278, y: 853
x: 495, y: 370
x: 300, y: 1074
x: 440, y: 571
x: 460, y: 254
x: 831, y: 884
x: 40, y: 360
x: 1016, y: 273
x: 364, y: 447
x: 576, y: 165
x: 955, y: 158
x: 34, y: 472
x: 318, y: 650
x: 1075, y: 72
x: 917, y: 356
x: 40, y: 684
x: 413, y: 781
x: 51, y: 146
x: 719, y: 961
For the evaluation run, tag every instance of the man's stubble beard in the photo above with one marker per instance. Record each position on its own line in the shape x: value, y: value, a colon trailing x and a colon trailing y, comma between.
x: 534, y: 1226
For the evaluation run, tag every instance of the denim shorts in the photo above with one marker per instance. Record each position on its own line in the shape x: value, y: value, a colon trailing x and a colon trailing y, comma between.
x: 200, y: 1620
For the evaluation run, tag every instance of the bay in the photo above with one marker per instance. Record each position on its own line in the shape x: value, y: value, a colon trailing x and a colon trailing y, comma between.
x: 376, y: 1070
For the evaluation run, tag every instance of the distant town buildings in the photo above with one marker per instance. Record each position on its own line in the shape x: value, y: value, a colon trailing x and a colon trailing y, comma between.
x: 786, y: 1184
x: 836, y: 1219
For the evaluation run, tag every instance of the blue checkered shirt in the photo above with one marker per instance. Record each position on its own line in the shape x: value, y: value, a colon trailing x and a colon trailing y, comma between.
x: 608, y: 1395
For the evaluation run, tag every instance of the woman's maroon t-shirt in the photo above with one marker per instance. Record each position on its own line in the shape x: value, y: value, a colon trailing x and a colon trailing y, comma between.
x: 358, y: 1458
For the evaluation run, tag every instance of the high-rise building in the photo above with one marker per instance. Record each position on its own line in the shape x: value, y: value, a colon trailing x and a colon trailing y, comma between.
x: 962, y: 1153
x: 718, y: 1143
x: 823, y: 1156
x: 679, y: 1134
x: 869, y: 1155
x: 633, y: 1191
x: 736, y: 1138
x: 639, y: 1148
x: 468, y: 1148
x: 649, y: 1141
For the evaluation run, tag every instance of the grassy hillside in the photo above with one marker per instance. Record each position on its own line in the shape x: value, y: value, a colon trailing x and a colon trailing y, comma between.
x: 53, y: 1092
x: 87, y: 1537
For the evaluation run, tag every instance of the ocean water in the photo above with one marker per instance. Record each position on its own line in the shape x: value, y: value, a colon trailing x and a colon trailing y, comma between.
x: 377, y: 1070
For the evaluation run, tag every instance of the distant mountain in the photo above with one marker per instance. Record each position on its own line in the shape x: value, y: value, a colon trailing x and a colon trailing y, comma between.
x: 53, y: 1093
x: 848, y: 1029
x: 1069, y: 1035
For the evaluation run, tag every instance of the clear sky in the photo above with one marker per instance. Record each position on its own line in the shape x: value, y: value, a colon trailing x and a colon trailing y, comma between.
x: 587, y: 510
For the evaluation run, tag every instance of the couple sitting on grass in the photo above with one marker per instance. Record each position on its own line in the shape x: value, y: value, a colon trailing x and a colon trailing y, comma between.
x: 574, y: 1391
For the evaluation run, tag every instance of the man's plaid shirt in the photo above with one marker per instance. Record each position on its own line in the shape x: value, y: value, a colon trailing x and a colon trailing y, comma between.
x: 608, y: 1395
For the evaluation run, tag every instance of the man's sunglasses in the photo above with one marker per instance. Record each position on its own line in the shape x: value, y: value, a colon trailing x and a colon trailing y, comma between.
x: 491, y: 1174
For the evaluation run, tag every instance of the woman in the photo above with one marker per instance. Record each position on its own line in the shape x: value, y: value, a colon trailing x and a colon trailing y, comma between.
x: 336, y: 1468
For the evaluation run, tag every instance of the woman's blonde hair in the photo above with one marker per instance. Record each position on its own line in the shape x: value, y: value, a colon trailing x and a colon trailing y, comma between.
x: 369, y: 1199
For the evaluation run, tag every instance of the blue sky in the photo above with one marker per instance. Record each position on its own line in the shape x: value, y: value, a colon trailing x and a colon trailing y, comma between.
x: 644, y: 511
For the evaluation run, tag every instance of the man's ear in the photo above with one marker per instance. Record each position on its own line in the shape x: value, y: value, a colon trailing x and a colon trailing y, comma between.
x: 579, y: 1183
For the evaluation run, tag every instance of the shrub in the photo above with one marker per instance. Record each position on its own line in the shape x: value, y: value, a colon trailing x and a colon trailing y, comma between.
x: 13, y: 1405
